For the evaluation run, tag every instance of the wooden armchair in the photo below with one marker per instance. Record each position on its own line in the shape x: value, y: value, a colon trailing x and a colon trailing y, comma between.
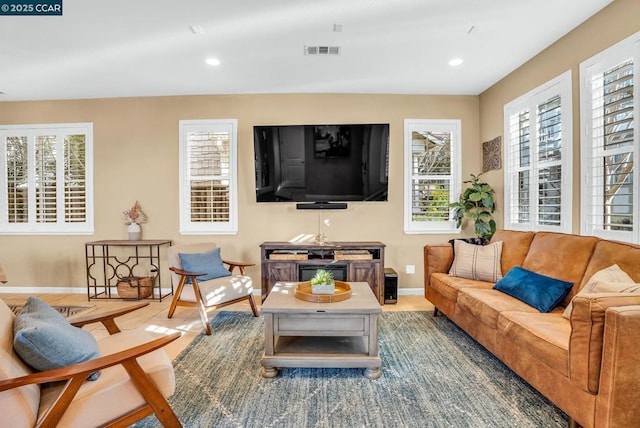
x: 136, y: 377
x: 213, y: 293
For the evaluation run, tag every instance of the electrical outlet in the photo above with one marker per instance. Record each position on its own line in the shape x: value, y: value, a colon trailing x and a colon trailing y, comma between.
x: 410, y: 269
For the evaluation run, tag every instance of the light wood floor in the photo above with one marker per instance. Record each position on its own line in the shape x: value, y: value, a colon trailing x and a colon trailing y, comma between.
x: 153, y: 318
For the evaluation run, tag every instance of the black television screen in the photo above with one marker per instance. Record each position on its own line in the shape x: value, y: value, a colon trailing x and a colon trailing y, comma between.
x: 321, y: 163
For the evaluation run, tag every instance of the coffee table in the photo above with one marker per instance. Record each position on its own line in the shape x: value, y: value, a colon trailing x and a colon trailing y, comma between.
x: 298, y: 333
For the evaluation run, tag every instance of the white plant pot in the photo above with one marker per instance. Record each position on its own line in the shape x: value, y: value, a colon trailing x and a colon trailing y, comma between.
x: 134, y: 231
x: 323, y: 288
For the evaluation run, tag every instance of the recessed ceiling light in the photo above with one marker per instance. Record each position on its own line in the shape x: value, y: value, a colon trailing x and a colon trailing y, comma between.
x: 213, y: 61
x: 455, y: 62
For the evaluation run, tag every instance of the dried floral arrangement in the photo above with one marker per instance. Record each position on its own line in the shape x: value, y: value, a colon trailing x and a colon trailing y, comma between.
x: 134, y: 215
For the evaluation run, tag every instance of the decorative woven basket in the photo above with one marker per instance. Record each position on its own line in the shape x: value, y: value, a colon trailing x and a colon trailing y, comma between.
x: 135, y: 287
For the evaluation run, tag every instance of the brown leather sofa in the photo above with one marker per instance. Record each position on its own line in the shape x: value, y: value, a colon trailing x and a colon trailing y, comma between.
x: 588, y: 365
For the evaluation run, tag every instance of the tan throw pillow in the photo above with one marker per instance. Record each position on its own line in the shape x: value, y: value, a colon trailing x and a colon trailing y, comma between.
x: 481, y: 262
x: 609, y: 280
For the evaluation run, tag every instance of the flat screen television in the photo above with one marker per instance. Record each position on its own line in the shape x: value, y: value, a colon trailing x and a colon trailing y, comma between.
x: 321, y: 163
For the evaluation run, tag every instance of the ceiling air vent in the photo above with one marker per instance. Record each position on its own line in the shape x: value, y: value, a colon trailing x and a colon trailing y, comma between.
x: 321, y: 50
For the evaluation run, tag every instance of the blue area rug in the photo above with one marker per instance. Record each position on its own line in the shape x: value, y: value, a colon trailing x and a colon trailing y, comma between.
x: 434, y: 375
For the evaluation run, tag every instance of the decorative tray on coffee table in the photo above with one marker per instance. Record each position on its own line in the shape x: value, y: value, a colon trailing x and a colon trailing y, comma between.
x: 303, y: 292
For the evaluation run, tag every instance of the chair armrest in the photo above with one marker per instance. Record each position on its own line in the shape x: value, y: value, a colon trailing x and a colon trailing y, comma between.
x: 75, y: 375
x: 182, y: 272
x: 106, y: 318
x: 82, y: 370
x: 239, y: 265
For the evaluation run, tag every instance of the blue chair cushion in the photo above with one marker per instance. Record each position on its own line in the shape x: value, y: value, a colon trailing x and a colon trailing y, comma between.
x: 45, y: 340
x: 542, y: 292
x: 209, y: 263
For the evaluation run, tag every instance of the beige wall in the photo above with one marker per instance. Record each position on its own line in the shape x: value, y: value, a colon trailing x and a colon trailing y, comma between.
x: 613, y: 24
x: 136, y: 158
x: 136, y: 152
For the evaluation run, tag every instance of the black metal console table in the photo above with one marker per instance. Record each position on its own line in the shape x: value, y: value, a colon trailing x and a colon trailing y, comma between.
x: 110, y: 260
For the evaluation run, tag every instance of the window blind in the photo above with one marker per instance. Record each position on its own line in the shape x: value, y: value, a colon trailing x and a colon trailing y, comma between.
x: 432, y: 174
x: 75, y: 179
x: 538, y: 158
x: 612, y: 147
x: 46, y: 181
x: 209, y: 176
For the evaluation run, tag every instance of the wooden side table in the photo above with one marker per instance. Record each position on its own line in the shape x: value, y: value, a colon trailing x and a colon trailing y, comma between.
x: 109, y: 260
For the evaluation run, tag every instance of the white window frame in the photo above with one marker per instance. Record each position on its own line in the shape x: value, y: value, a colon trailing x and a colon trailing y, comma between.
x: 561, y: 85
x: 590, y: 202
x: 187, y: 227
x: 59, y: 227
x: 439, y: 125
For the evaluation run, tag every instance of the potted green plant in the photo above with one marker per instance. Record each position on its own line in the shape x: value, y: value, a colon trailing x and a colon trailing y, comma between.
x: 323, y: 283
x: 477, y: 204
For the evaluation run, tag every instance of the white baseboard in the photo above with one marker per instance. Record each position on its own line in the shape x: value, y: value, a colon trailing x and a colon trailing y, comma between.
x: 401, y: 292
x: 410, y: 291
x: 54, y: 290
x: 83, y: 290
x: 44, y: 290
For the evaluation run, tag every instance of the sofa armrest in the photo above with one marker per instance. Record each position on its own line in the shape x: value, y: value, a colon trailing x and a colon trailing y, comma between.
x: 590, y: 329
x: 437, y: 258
x: 617, y: 402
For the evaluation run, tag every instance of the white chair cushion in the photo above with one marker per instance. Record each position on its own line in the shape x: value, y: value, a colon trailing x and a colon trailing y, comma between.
x: 18, y: 406
x: 113, y: 393
x: 220, y: 290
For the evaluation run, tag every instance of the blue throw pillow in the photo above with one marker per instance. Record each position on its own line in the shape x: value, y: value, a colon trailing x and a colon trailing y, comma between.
x: 45, y: 340
x: 209, y: 263
x: 542, y: 292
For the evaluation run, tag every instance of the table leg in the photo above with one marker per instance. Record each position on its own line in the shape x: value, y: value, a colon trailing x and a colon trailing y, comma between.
x: 372, y: 372
x: 269, y: 372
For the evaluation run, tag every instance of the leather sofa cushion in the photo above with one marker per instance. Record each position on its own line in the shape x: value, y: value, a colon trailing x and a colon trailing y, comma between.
x: 561, y: 256
x: 607, y: 253
x: 487, y: 304
x: 449, y: 286
x: 544, y: 336
x: 515, y: 246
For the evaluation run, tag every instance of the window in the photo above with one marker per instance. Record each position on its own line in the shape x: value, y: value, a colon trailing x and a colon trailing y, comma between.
x: 46, y: 183
x: 208, y: 190
x: 432, y: 174
x: 609, y: 140
x: 538, y: 158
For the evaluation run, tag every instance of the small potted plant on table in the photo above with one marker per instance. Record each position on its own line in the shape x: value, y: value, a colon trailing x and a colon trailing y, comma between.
x: 323, y: 282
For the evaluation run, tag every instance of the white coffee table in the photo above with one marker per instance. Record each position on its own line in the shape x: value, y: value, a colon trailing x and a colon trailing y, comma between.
x: 299, y: 333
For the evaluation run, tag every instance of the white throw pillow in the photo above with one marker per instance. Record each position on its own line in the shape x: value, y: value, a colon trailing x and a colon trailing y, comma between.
x: 481, y: 262
x: 609, y: 280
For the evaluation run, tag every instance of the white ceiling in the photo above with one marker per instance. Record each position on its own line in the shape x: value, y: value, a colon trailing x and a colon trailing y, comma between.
x: 119, y: 48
